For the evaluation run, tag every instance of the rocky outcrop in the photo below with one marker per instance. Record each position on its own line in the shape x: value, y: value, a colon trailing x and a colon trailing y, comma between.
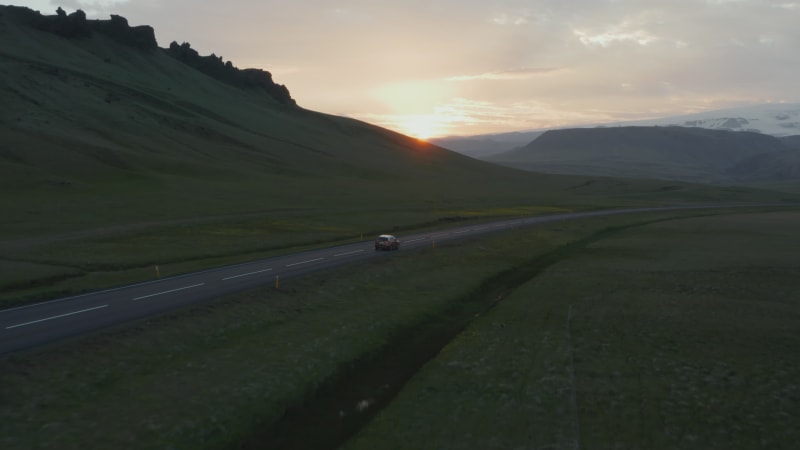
x: 214, y: 66
x: 77, y: 26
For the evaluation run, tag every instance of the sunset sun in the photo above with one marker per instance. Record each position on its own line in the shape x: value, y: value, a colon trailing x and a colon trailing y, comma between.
x: 421, y: 127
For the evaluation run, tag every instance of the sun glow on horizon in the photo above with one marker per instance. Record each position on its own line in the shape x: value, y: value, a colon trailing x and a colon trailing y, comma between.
x: 422, y: 127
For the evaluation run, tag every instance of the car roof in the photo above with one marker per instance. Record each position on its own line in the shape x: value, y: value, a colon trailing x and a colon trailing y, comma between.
x: 386, y: 236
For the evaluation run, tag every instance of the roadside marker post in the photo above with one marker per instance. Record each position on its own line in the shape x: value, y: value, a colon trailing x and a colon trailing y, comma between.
x: 158, y: 274
x: 277, y: 281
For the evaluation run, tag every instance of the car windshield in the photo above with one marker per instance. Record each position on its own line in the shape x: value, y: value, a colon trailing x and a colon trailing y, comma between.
x: 383, y: 238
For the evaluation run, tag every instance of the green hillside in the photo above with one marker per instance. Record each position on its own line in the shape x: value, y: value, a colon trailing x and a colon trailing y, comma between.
x: 117, y: 155
x: 90, y: 118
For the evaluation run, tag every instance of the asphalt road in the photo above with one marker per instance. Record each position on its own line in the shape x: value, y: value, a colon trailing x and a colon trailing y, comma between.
x: 43, y: 323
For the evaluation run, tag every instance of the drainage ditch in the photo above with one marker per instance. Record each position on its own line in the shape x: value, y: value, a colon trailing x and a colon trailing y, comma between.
x: 343, y: 406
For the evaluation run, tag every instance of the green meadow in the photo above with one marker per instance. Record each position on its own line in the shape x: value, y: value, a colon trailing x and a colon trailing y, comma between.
x: 55, y: 246
x: 646, y: 331
x: 674, y: 334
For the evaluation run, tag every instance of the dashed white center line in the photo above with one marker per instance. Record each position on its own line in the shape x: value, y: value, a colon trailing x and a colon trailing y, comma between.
x: 246, y: 274
x: 304, y: 262
x: 462, y: 231
x: 55, y: 317
x: 349, y: 253
x: 167, y: 292
x: 415, y: 240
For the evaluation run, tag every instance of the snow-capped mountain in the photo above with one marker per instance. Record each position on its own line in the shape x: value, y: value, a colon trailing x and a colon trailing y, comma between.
x: 776, y: 119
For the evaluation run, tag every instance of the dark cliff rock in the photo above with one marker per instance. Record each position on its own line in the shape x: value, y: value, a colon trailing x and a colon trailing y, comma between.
x: 75, y: 25
x: 214, y: 66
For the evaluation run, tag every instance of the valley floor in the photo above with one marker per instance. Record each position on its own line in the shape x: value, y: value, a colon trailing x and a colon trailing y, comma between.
x: 649, y: 331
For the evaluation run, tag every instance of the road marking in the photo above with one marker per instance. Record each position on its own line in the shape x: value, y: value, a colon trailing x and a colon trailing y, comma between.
x: 305, y: 262
x: 349, y: 253
x: 415, y: 240
x: 246, y: 274
x: 55, y: 317
x: 462, y: 231
x: 440, y: 235
x: 481, y: 228
x: 167, y: 292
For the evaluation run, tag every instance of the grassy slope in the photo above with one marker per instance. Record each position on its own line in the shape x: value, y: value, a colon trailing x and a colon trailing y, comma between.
x: 770, y: 167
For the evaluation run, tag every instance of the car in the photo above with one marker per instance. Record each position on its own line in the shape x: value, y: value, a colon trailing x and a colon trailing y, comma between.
x: 387, y: 242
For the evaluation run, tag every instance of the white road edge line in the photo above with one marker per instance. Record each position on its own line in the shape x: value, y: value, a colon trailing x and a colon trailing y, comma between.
x: 305, y: 262
x: 167, y: 292
x: 55, y: 317
x: 349, y: 253
x: 246, y: 274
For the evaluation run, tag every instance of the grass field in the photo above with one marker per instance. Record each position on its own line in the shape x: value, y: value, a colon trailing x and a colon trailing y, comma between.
x: 206, y: 376
x: 58, y: 264
x: 679, y: 334
x: 682, y: 335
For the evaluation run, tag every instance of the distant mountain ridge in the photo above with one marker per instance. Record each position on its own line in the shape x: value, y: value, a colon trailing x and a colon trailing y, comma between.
x: 774, y: 119
x: 671, y: 153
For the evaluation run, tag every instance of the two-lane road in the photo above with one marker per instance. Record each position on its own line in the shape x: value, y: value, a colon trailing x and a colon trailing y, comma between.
x: 42, y: 323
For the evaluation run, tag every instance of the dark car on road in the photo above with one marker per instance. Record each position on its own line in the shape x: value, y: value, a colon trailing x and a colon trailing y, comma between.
x: 387, y: 242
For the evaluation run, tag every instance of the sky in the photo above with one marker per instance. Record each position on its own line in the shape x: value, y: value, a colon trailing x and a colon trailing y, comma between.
x: 432, y: 68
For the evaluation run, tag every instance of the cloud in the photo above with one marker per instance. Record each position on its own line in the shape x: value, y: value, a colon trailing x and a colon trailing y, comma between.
x: 455, y: 115
x: 96, y: 7
x: 612, y: 36
x: 515, y: 19
x: 515, y: 74
x: 640, y: 28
